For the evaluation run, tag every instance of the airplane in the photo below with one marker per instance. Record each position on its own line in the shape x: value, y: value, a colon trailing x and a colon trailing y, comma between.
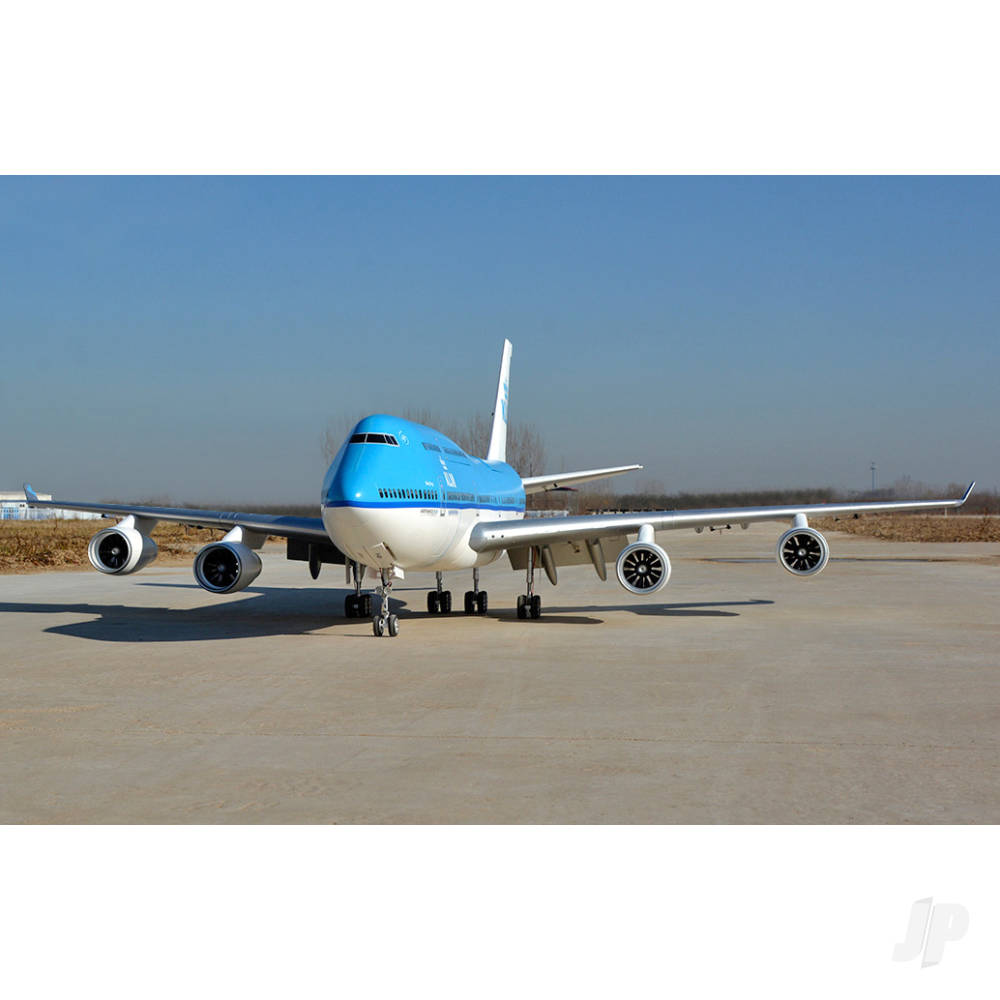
x: 400, y: 496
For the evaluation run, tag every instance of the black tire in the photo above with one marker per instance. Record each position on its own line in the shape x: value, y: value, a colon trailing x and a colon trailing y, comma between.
x: 433, y: 607
x: 351, y: 606
x: 378, y: 626
x: 536, y: 607
x: 393, y: 625
x: 446, y: 602
x: 470, y: 602
x: 482, y: 603
x: 366, y: 606
x: 522, y: 606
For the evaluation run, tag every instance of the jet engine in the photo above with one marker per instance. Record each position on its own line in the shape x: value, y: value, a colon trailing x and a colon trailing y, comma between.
x: 643, y: 567
x: 803, y: 551
x: 225, y: 567
x: 121, y: 549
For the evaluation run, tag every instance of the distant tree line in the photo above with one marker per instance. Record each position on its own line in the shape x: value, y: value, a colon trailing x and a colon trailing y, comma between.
x: 982, y: 501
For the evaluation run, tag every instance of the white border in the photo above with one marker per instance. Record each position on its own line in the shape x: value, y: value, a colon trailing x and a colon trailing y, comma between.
x: 489, y: 912
x: 540, y: 86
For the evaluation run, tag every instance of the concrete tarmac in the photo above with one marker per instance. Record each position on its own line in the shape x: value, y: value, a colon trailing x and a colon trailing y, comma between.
x: 738, y: 694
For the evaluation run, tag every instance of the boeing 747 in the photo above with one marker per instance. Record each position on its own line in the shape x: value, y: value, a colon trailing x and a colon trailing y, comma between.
x: 400, y: 496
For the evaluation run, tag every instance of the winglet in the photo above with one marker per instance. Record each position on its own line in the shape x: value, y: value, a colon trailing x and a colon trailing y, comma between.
x: 972, y: 486
x: 29, y: 494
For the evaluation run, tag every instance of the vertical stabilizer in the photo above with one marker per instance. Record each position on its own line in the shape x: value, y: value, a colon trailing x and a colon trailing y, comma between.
x: 498, y: 436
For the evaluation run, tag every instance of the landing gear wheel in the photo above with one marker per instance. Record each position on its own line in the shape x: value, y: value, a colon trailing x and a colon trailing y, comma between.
x: 378, y: 626
x: 445, y: 602
x: 522, y: 607
x: 433, y: 605
x: 470, y: 602
x: 536, y: 606
x: 351, y: 606
x: 482, y: 603
x: 393, y: 625
x: 366, y: 605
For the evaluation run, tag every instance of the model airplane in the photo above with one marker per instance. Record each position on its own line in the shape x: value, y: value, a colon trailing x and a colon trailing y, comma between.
x: 400, y: 496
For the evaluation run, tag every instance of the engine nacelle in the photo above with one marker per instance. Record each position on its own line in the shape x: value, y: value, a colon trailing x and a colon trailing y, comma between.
x: 225, y: 567
x: 121, y: 549
x: 803, y: 551
x: 643, y: 567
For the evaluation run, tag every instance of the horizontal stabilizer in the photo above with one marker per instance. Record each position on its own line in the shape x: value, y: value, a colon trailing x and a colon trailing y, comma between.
x: 543, y: 484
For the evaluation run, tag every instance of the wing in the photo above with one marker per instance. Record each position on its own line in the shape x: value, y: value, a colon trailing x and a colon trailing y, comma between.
x: 306, y: 528
x: 541, y: 484
x: 492, y: 535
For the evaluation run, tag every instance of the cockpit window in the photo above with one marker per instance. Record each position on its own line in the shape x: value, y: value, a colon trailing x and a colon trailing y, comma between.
x: 373, y: 439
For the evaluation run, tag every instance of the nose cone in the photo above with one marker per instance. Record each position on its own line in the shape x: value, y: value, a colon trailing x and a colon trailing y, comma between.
x: 346, y: 480
x: 351, y: 511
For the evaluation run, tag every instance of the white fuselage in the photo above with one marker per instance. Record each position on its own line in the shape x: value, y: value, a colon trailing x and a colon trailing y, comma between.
x: 411, y: 538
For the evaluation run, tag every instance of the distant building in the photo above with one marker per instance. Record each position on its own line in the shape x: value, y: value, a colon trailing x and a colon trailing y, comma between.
x: 13, y: 507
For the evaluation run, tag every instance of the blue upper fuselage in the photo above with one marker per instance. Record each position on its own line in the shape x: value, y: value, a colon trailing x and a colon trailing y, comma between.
x: 390, y: 462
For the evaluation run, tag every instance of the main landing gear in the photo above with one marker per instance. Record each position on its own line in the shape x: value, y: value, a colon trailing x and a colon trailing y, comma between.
x: 529, y: 605
x: 439, y: 601
x: 476, y: 600
x: 383, y: 623
x: 357, y: 605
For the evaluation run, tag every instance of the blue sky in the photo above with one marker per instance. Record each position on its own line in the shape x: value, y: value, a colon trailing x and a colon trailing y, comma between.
x: 193, y: 337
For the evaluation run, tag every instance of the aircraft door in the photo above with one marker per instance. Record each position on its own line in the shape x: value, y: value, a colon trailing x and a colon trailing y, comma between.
x: 448, y: 518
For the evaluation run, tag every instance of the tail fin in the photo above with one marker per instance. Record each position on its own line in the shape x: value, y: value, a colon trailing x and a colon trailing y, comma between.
x: 498, y: 437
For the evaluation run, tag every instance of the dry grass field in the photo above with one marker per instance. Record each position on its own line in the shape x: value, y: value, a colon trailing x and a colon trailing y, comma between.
x: 30, y: 546
x: 916, y: 527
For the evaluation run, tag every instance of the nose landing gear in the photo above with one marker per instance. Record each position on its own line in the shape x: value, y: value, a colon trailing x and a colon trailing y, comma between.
x: 384, y: 623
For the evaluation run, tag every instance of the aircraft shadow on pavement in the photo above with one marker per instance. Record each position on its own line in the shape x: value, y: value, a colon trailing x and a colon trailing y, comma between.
x: 257, y: 612
x: 694, y: 609
x: 276, y: 611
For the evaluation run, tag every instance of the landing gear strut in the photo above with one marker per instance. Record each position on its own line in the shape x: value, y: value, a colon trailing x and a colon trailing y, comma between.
x: 530, y: 604
x: 439, y: 601
x: 357, y: 605
x: 384, y: 623
x: 476, y: 601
